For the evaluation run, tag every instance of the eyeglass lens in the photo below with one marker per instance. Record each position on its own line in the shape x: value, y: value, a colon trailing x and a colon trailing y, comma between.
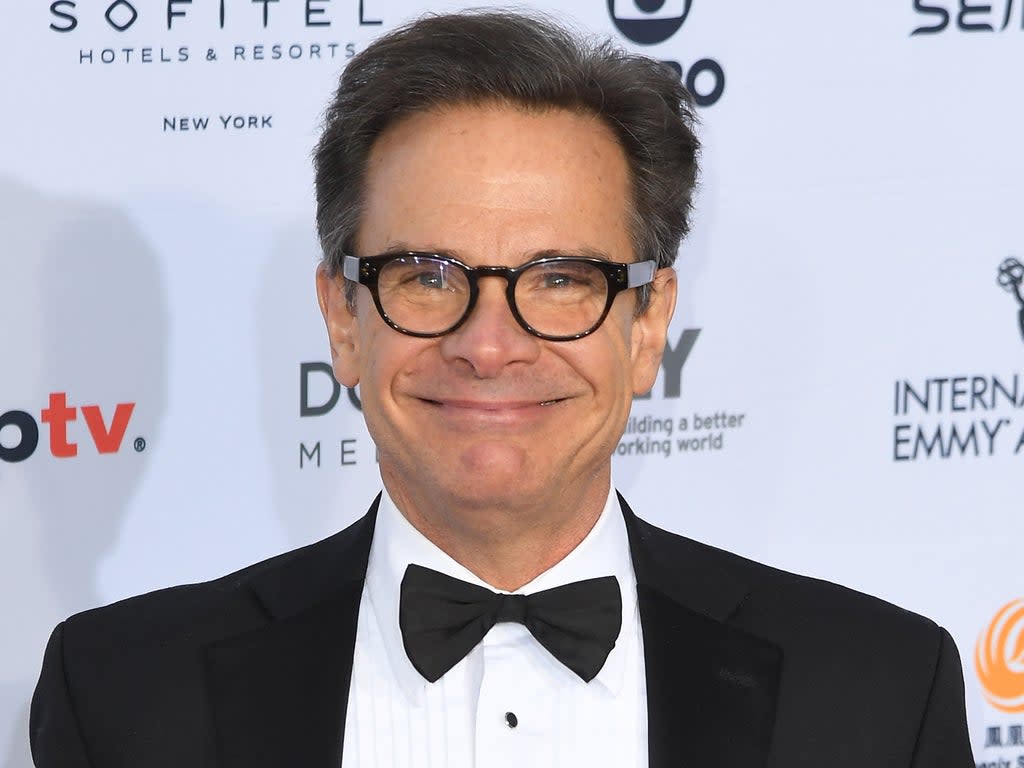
x: 425, y: 295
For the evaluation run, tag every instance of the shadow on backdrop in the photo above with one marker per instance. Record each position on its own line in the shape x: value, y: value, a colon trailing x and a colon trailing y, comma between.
x: 85, y: 315
x: 313, y: 497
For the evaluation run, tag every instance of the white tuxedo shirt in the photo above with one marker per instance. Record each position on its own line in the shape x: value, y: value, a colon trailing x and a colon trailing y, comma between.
x: 396, y: 719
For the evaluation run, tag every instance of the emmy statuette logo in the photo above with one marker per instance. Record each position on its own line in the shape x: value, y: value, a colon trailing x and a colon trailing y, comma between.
x: 1011, y: 278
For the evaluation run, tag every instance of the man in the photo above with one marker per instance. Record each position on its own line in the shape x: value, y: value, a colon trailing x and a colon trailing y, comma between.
x: 499, y: 206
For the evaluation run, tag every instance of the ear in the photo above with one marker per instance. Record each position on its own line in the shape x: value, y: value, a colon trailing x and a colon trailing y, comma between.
x: 342, y: 327
x: 650, y: 330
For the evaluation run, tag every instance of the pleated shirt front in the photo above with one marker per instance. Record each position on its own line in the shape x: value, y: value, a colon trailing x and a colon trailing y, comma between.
x: 509, y: 702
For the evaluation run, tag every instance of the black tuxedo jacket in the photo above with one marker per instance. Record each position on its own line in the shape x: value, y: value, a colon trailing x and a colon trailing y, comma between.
x: 746, y: 666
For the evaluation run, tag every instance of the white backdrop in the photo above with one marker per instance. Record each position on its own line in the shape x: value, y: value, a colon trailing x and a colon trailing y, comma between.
x: 862, y: 186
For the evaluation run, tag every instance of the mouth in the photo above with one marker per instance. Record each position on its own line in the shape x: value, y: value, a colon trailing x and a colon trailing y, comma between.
x: 497, y: 419
x: 493, y: 405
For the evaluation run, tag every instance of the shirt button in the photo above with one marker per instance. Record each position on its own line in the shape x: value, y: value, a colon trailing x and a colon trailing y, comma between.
x: 511, y: 720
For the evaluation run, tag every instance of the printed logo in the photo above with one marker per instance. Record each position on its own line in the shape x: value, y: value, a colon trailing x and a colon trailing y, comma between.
x: 107, y: 436
x: 656, y: 427
x: 124, y: 32
x: 319, y: 393
x: 958, y: 416
x: 999, y: 658
x: 650, y: 22
x: 965, y: 16
x: 1011, y: 278
x: 105, y: 34
x: 950, y: 417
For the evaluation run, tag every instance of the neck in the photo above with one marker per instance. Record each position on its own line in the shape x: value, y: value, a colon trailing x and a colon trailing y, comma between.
x: 506, y: 544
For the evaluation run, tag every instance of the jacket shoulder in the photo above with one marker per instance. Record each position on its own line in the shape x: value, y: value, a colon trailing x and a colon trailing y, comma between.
x: 767, y: 595
x: 199, y: 613
x: 127, y: 684
x: 849, y: 660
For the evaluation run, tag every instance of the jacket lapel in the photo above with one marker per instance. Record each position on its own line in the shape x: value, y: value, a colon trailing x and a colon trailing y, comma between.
x: 279, y: 693
x: 711, y: 687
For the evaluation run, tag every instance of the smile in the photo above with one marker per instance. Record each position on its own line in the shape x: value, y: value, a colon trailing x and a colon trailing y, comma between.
x: 492, y: 405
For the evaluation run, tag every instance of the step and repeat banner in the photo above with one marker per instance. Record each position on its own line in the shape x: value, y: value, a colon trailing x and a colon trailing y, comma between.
x: 842, y: 394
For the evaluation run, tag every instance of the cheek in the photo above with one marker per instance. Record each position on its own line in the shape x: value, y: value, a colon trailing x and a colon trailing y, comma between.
x: 388, y: 357
x: 374, y: 363
x: 606, y: 365
x: 625, y: 342
x: 381, y: 369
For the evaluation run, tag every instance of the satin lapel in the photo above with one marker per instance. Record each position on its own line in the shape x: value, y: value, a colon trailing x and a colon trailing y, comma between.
x: 279, y: 693
x: 711, y: 688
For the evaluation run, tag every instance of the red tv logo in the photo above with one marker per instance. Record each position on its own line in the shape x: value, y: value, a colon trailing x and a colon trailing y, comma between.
x: 107, y: 437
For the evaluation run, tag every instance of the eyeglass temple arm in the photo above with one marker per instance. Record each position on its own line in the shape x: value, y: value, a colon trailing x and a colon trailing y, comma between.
x: 350, y: 267
x: 640, y: 273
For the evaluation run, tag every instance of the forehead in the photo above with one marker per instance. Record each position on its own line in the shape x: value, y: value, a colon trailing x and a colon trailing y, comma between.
x: 496, y: 183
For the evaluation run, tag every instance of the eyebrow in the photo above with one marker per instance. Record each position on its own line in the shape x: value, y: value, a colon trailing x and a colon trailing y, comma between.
x: 398, y: 246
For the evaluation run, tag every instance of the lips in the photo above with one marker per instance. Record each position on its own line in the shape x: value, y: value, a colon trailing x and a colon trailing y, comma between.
x: 491, y: 405
x: 487, y: 416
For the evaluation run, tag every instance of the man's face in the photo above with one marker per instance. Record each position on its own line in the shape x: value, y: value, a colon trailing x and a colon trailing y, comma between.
x: 489, y: 416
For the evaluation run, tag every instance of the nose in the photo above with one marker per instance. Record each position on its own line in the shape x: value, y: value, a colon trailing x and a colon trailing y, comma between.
x: 490, y: 339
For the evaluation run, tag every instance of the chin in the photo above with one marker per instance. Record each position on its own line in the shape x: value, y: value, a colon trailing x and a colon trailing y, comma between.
x: 494, y: 462
x: 487, y: 496
x: 494, y: 475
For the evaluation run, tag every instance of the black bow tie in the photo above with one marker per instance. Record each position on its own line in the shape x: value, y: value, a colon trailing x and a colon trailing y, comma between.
x: 442, y: 619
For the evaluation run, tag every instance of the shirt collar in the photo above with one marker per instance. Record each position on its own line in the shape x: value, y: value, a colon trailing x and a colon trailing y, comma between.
x: 396, y: 543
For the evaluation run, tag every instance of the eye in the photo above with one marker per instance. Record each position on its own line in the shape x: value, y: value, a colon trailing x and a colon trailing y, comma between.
x: 419, y: 276
x: 430, y: 278
x: 563, y: 277
x: 558, y: 280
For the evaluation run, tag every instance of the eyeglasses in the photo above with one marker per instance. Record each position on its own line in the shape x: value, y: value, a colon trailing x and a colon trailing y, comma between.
x: 558, y: 298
